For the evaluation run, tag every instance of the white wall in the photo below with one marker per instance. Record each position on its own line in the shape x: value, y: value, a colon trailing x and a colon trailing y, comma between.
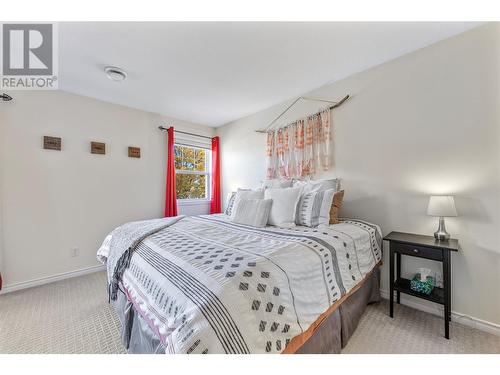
x: 425, y: 123
x: 52, y: 201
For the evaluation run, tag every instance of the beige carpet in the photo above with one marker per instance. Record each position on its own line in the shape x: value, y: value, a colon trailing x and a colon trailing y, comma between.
x: 73, y: 316
x: 412, y: 331
x: 70, y: 316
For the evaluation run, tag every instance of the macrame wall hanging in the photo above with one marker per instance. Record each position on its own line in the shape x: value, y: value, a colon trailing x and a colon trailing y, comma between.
x: 301, y: 148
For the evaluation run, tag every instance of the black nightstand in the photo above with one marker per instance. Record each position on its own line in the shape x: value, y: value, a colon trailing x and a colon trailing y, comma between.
x: 426, y: 247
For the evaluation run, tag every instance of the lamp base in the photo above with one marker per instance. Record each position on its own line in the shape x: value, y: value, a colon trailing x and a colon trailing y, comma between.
x: 441, y: 234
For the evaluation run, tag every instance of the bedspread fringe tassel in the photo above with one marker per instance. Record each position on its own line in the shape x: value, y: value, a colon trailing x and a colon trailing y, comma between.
x: 121, y: 265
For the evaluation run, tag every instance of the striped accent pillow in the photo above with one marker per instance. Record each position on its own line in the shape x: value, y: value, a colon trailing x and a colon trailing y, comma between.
x: 253, y: 212
x: 314, y: 208
x: 230, y: 203
x: 232, y: 200
x: 246, y: 194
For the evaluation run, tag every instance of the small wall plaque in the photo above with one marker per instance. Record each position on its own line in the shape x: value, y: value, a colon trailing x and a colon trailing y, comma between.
x: 134, y: 152
x: 52, y: 143
x: 98, y: 148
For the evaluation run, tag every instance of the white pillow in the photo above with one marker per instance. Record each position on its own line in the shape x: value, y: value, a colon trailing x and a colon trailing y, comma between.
x: 276, y: 183
x: 318, y: 185
x: 284, y: 206
x: 246, y: 194
x: 230, y: 201
x: 253, y: 212
x: 314, y: 208
x: 300, y: 183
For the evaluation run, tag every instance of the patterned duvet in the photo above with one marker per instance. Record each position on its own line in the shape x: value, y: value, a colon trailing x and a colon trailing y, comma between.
x: 207, y: 285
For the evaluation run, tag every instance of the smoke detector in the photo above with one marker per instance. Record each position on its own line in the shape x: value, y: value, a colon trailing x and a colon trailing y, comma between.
x: 115, y: 74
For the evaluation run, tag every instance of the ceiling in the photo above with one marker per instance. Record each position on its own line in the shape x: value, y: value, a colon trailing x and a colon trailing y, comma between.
x: 214, y: 73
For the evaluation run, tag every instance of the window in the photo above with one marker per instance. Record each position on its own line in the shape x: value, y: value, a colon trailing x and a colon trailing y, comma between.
x: 192, y: 172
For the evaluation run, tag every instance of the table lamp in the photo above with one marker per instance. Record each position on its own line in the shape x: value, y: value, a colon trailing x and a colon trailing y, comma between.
x: 441, y: 206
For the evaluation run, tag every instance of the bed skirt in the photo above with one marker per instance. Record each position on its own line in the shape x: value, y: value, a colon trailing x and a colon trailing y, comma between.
x: 329, y: 337
x: 335, y: 331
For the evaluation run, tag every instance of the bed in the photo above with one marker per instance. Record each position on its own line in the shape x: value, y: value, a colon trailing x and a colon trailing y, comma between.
x: 204, y: 284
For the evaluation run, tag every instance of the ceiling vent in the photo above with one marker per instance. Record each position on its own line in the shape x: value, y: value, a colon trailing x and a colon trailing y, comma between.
x: 115, y: 74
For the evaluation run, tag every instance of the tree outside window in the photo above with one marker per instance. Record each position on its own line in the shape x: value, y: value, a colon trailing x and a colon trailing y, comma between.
x: 192, y: 172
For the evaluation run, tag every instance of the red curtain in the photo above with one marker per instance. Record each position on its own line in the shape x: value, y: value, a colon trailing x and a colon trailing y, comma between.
x: 215, y: 204
x: 170, y: 196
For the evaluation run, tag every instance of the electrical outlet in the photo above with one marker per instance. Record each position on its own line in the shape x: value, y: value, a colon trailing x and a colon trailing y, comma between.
x: 75, y: 251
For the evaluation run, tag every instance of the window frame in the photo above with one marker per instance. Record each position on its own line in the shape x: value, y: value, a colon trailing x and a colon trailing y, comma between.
x: 207, y: 172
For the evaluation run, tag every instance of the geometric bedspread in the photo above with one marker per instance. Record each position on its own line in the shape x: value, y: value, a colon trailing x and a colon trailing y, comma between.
x: 207, y: 285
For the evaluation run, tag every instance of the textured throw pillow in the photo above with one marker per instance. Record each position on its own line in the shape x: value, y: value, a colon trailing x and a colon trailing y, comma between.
x: 276, y: 183
x: 242, y: 194
x: 284, y: 206
x: 253, y: 212
x: 314, y: 208
x: 336, y: 204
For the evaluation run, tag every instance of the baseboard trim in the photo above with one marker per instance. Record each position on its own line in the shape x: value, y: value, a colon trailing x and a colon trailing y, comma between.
x: 438, y: 310
x: 50, y: 279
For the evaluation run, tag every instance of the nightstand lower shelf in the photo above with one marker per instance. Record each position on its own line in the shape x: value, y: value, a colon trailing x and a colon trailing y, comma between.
x: 403, y: 285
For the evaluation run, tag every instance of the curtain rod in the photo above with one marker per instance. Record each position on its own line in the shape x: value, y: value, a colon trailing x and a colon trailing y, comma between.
x: 163, y: 129
x: 335, y: 105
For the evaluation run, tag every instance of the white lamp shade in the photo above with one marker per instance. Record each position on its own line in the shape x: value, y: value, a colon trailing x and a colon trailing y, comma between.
x: 441, y: 205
